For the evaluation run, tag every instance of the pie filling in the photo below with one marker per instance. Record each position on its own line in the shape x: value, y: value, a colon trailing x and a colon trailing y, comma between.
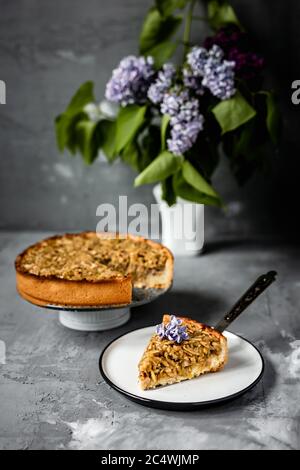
x: 166, y: 362
x: 92, y: 258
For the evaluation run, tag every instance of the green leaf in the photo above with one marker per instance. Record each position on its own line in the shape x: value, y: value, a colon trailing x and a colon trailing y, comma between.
x: 129, y: 121
x: 168, y: 193
x: 157, y: 29
x: 130, y: 155
x: 193, y: 177
x: 162, y: 52
x: 150, y: 146
x: 108, y: 136
x: 65, y: 127
x: 165, y: 121
x: 164, y: 165
x: 88, y: 140
x: 247, y: 148
x: 83, y: 96
x: 204, y: 155
x: 189, y: 193
x: 244, y: 142
x: 166, y: 7
x: 273, y: 117
x: 61, y: 125
x: 65, y: 123
x: 220, y: 13
x: 232, y: 113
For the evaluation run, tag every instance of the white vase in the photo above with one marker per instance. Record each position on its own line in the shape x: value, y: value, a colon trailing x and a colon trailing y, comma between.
x: 182, y: 225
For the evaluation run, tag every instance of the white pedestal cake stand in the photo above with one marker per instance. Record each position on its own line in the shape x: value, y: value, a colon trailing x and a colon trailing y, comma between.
x: 100, y: 318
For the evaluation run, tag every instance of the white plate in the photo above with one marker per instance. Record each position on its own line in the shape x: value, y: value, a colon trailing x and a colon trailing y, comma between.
x: 119, y: 367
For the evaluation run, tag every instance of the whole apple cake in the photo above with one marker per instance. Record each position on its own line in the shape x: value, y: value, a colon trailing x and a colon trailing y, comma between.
x: 90, y: 269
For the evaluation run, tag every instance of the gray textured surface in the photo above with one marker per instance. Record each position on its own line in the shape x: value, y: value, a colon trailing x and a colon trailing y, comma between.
x: 52, y: 396
x: 48, y: 49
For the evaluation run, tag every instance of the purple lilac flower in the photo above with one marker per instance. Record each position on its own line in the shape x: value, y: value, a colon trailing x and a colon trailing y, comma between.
x: 237, y: 46
x: 228, y: 37
x: 173, y: 101
x: 188, y: 111
x: 219, y: 78
x: 215, y: 54
x: 186, y: 120
x: 162, y: 84
x: 173, y: 331
x: 184, y: 135
x: 197, y: 59
x: 130, y: 81
x: 217, y: 74
x: 179, y: 106
x: 192, y: 82
x: 160, y: 330
x: 248, y: 64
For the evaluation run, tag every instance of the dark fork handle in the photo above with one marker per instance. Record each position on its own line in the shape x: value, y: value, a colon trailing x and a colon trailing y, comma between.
x: 250, y: 295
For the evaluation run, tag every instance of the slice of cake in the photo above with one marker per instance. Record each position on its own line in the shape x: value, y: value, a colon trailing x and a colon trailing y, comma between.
x: 181, y: 349
x: 89, y: 269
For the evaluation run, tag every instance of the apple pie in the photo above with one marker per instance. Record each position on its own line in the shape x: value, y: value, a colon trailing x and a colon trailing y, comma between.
x: 181, y: 349
x: 91, y: 269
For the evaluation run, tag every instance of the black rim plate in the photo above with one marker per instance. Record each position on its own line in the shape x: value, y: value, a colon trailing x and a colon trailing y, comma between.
x: 173, y: 406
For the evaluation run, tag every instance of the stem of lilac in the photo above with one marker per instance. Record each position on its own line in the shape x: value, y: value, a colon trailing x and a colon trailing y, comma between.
x: 187, y: 27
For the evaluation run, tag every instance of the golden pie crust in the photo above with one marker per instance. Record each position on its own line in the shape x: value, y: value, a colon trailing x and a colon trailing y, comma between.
x: 91, y: 269
x: 166, y: 362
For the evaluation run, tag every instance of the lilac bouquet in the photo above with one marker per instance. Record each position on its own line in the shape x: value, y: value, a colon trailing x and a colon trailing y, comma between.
x: 169, y: 121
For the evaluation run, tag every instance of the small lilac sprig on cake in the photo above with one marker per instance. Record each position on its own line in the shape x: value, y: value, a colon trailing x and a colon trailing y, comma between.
x: 173, y: 331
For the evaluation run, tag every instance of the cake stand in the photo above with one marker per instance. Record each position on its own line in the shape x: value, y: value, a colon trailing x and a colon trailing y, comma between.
x: 104, y: 317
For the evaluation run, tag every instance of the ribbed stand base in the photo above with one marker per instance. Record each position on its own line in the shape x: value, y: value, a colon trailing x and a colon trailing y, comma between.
x: 94, y: 320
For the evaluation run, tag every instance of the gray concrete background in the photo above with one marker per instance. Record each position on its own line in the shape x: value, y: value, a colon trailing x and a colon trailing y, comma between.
x: 47, y: 49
